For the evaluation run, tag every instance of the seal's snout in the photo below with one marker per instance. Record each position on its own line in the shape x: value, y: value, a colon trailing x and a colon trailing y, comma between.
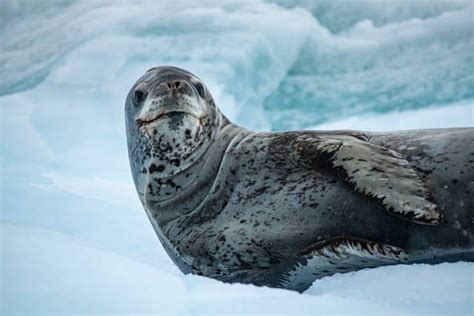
x: 172, y: 87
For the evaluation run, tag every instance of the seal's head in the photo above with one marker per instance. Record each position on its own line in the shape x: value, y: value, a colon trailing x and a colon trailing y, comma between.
x: 171, y: 118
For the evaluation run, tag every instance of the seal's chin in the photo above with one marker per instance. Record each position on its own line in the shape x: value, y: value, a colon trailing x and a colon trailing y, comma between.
x: 175, y: 134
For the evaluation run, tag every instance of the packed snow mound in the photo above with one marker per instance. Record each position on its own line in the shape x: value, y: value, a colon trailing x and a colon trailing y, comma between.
x: 46, y: 272
x: 338, y: 18
x: 378, y: 65
x: 269, y: 66
x: 241, y: 49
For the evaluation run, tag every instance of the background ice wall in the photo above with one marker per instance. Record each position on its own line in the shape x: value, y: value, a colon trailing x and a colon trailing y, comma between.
x: 66, y: 66
x: 376, y: 56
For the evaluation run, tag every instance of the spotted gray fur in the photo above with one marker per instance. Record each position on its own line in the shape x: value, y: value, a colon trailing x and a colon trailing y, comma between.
x: 283, y: 209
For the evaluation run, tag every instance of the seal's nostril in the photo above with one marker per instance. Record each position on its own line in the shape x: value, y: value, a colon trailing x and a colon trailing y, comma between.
x: 173, y: 85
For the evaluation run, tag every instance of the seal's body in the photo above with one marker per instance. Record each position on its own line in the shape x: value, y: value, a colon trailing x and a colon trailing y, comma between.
x: 283, y: 209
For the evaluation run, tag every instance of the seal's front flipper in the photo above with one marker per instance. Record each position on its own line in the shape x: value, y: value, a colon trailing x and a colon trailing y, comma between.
x: 341, y: 254
x: 372, y: 170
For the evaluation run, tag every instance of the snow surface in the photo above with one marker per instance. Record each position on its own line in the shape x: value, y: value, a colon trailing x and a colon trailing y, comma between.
x: 46, y: 272
x: 72, y: 226
x: 457, y: 114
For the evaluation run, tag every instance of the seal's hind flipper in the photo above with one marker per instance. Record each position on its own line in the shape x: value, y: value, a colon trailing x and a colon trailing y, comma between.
x: 341, y: 254
x: 372, y: 170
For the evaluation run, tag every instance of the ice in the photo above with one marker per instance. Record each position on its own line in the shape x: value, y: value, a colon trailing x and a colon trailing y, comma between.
x: 337, y: 18
x: 454, y: 115
x: 236, y: 46
x: 66, y: 195
x: 45, y: 272
x: 406, y: 64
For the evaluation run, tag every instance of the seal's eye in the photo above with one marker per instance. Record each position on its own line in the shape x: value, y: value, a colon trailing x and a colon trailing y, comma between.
x: 139, y: 96
x: 200, y: 89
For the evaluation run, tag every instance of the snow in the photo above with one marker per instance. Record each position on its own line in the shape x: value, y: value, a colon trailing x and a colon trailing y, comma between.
x: 372, y: 66
x: 454, y: 115
x: 46, y: 272
x: 74, y: 235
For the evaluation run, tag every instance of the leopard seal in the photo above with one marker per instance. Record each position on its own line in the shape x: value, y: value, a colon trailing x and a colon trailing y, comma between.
x: 283, y: 209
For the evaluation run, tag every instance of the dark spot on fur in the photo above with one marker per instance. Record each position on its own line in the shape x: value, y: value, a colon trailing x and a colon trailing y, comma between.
x: 153, y: 168
x: 376, y: 169
x: 274, y: 261
x: 176, y: 162
x: 176, y: 120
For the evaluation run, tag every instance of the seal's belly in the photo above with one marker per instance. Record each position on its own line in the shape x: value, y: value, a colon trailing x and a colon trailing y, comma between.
x: 274, y: 215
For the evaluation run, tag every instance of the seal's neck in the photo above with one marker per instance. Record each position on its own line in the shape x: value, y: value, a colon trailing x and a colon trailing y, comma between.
x: 169, y: 198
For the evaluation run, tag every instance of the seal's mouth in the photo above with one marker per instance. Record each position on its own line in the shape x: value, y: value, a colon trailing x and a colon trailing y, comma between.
x: 145, y: 122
